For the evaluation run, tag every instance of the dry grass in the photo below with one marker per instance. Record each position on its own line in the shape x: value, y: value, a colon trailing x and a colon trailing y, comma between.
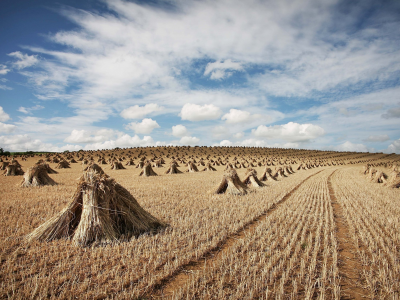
x: 373, y: 211
x: 291, y: 253
x: 294, y: 248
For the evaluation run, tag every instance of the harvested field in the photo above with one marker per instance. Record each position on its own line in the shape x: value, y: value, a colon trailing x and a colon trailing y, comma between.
x: 300, y: 236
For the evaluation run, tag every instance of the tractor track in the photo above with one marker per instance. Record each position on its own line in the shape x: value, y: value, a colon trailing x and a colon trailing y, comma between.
x: 349, y: 265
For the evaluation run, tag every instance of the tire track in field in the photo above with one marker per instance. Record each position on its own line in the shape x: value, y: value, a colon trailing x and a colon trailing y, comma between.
x: 166, y: 288
x: 349, y: 264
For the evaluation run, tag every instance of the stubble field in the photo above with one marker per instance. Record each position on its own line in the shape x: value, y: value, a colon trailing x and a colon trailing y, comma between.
x: 324, y: 232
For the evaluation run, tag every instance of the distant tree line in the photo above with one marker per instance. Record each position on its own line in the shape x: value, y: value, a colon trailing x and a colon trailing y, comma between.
x: 8, y: 153
x: 2, y: 152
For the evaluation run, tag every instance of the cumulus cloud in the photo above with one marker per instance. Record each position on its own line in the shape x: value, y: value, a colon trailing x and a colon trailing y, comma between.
x: 225, y: 143
x: 7, y: 128
x: 26, y: 143
x: 377, y: 138
x: 24, y: 60
x: 145, y: 52
x: 179, y: 130
x: 189, y: 140
x: 3, y: 69
x: 392, y: 113
x: 218, y: 69
x: 3, y: 116
x: 238, y: 135
x: 138, y: 112
x: 144, y: 127
x: 351, y: 147
x: 124, y: 141
x: 292, y: 132
x: 84, y: 136
x: 28, y: 110
x: 394, y: 147
x: 239, y: 116
x: 194, y: 112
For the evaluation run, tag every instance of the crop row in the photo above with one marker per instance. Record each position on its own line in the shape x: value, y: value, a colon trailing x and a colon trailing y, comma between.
x: 292, y: 253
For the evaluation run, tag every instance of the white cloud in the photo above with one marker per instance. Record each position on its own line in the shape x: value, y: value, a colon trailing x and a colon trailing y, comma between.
x: 239, y: 116
x: 144, y: 52
x: 26, y: 143
x: 3, y: 69
x: 140, y: 48
x: 194, y: 112
x: 7, y: 128
x: 225, y: 143
x: 377, y: 138
x: 292, y: 132
x: 124, y: 141
x: 28, y: 110
x: 84, y: 136
x: 138, y: 112
x: 238, y: 135
x: 5, y: 87
x: 288, y: 145
x: 349, y: 146
x: 189, y: 140
x: 144, y: 127
x: 179, y: 130
x: 366, y: 117
x: 3, y: 116
x: 252, y: 143
x: 219, y: 74
x: 218, y: 69
x: 394, y: 147
x: 24, y: 60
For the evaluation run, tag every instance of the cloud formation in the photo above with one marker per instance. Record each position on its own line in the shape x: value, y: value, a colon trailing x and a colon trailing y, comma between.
x: 179, y: 130
x: 225, y: 143
x: 124, y: 141
x: 84, y: 136
x: 3, y: 69
x: 24, y: 60
x: 194, y: 112
x: 5, y: 87
x: 392, y: 113
x: 238, y: 135
x: 144, y: 127
x: 394, y: 147
x: 377, y: 138
x: 218, y: 70
x: 189, y: 140
x: 143, y: 60
x: 352, y: 147
x: 7, y: 128
x: 239, y: 116
x: 3, y: 116
x: 26, y: 143
x: 28, y: 110
x: 291, y: 131
x: 138, y: 112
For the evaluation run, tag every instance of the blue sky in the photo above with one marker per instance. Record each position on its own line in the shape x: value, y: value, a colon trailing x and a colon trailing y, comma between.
x: 103, y: 74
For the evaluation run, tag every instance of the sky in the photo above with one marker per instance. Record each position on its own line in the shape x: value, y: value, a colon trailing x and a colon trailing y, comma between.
x: 306, y: 74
